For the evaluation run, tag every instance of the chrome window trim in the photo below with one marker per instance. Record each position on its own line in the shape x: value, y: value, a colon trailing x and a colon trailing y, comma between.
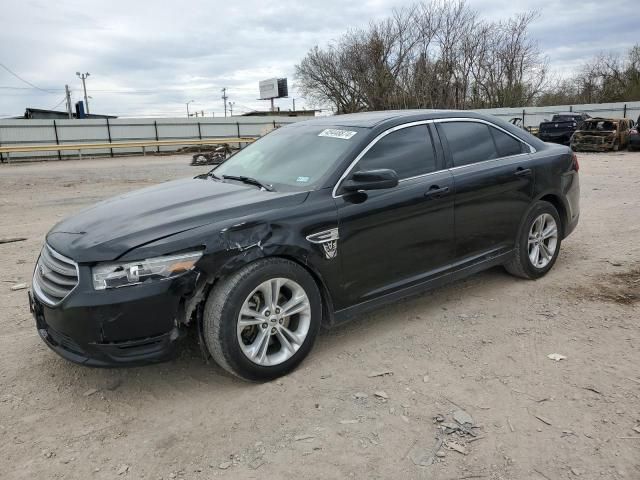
x: 532, y: 149
x: 370, y: 145
x: 423, y: 175
x: 487, y: 161
x: 348, y: 170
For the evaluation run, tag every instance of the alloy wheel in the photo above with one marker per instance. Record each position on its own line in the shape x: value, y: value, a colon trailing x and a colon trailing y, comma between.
x: 274, y: 321
x: 543, y: 240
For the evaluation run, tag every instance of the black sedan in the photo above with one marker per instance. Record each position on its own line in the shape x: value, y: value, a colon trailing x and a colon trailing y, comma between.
x: 312, y: 224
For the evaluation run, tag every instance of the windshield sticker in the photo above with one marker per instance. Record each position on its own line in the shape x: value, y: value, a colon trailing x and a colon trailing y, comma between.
x: 335, y: 133
x: 302, y: 179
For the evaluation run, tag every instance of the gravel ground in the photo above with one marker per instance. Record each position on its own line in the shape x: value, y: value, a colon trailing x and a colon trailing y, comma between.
x: 479, y: 345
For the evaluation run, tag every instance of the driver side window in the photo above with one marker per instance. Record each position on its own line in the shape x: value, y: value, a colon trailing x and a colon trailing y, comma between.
x: 409, y: 151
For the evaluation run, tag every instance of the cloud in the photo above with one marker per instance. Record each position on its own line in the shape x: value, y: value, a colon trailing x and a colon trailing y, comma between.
x: 151, y: 57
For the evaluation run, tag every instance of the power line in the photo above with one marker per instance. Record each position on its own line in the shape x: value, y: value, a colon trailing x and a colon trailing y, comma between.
x: 22, y: 79
x: 59, y: 103
x: 7, y: 87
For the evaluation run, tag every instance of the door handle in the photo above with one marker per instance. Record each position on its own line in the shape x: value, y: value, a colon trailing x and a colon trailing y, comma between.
x: 436, y: 192
x: 522, y: 172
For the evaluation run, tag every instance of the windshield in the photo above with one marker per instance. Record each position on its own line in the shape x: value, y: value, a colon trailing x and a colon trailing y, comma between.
x: 295, y: 157
x: 604, y: 125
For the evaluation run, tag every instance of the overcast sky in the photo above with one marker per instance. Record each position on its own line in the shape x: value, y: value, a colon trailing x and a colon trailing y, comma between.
x: 149, y: 57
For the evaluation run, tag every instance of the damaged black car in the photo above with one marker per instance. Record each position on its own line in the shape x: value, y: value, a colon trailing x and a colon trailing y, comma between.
x: 312, y: 224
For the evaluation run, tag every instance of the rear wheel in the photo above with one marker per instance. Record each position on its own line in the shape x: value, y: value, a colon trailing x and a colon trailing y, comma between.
x: 262, y: 321
x: 538, y: 244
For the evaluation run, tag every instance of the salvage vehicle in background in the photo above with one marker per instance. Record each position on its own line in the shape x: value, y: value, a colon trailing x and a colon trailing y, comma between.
x: 602, y: 134
x: 517, y: 121
x: 634, y: 137
x: 312, y: 224
x: 561, y: 127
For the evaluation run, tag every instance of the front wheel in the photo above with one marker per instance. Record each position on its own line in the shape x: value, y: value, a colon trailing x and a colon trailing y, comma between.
x: 538, y: 244
x: 262, y: 321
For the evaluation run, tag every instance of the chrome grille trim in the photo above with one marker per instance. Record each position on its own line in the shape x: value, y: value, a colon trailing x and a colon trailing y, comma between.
x: 55, y: 276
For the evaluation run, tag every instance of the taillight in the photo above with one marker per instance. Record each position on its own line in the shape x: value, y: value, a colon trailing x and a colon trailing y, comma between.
x: 576, y: 165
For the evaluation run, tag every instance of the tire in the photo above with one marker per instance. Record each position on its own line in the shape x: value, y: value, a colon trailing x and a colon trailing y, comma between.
x: 521, y: 265
x: 231, y: 343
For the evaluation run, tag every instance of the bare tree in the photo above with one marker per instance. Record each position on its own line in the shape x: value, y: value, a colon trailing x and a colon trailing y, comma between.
x: 434, y: 54
x: 605, y: 78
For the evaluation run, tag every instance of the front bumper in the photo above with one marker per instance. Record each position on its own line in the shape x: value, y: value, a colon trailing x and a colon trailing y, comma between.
x: 593, y: 144
x: 127, y: 326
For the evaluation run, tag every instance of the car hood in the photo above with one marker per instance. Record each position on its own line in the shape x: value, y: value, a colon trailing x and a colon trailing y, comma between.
x: 111, y: 228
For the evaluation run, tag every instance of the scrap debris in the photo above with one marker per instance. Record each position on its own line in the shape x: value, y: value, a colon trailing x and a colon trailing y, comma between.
x: 19, y: 286
x: 543, y: 419
x: 556, y: 356
x: 212, y: 157
x: 422, y: 457
x: 453, y: 435
x: 382, y: 395
x: 593, y: 389
x: 463, y: 418
x: 380, y: 373
x: 453, y: 445
x: 12, y: 240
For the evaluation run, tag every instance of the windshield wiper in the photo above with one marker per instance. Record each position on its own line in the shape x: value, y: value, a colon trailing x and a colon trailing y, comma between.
x: 250, y: 181
x: 213, y: 175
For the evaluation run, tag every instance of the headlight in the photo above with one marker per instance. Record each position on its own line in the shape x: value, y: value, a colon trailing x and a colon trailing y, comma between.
x: 115, y: 275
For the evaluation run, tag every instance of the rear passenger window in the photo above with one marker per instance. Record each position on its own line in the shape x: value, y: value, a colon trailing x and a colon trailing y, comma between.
x: 469, y: 142
x: 506, y: 144
x: 408, y: 151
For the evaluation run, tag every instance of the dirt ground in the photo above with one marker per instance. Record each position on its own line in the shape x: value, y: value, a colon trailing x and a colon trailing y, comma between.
x: 479, y: 345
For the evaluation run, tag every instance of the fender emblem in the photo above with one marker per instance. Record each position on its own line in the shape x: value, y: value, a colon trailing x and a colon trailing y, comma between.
x: 329, y: 241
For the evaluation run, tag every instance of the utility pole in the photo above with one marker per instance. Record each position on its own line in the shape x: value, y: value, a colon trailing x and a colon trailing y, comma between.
x: 67, y: 93
x: 83, y: 77
x: 224, y: 100
x: 231, y: 104
x: 294, y: 104
x: 190, y: 101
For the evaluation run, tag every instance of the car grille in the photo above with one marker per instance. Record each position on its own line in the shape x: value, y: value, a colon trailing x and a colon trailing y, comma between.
x: 55, y: 276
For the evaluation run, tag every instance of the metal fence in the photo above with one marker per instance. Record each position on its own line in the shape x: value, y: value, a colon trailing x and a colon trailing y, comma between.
x: 60, y: 132
x: 533, y: 116
x: 34, y: 132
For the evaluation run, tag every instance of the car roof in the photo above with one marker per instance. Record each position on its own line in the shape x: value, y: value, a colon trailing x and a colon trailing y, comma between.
x: 373, y: 119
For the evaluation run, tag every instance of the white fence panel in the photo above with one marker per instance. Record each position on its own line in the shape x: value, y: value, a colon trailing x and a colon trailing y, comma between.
x: 533, y: 116
x: 33, y: 132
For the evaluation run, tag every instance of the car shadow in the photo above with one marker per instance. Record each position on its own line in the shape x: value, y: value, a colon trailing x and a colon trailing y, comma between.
x: 191, y: 371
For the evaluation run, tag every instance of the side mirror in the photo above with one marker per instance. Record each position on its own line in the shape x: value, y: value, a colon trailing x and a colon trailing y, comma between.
x: 371, y: 180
